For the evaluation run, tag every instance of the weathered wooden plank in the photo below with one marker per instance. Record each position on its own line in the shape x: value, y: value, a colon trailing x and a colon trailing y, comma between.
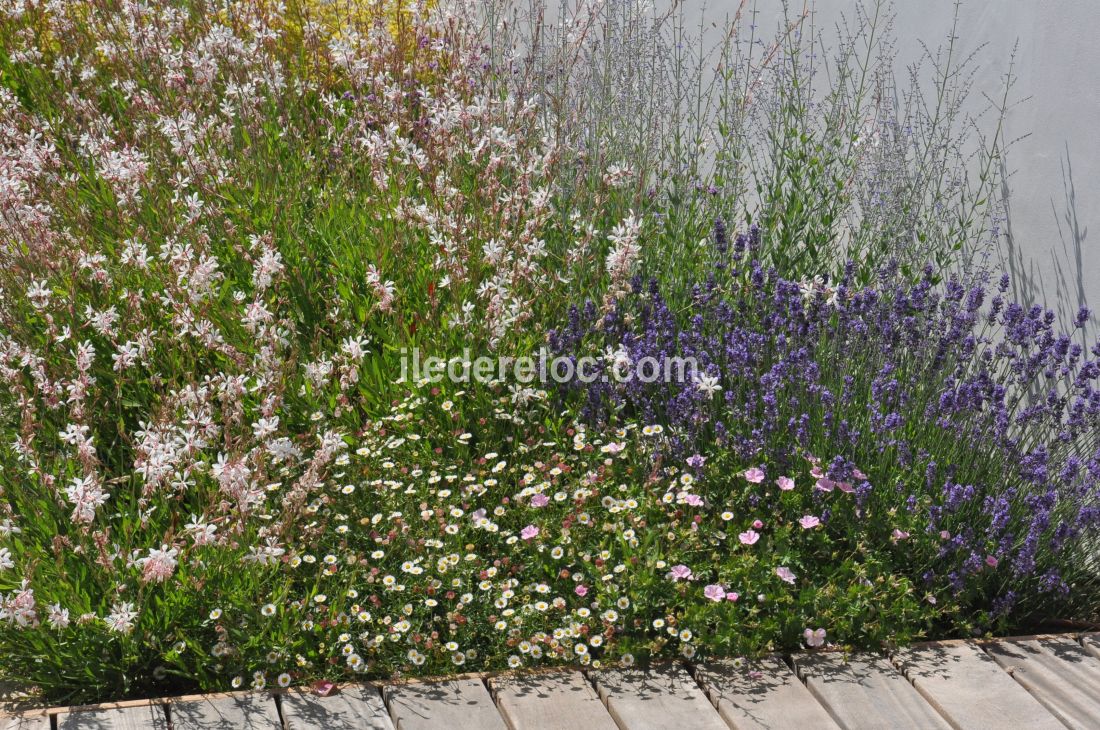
x: 226, y: 712
x: 865, y: 692
x: 30, y: 721
x: 145, y: 717
x: 462, y: 704
x: 970, y: 689
x: 1091, y: 642
x: 358, y: 707
x: 555, y: 701
x: 762, y: 695
x: 1060, y: 673
x: 658, y: 698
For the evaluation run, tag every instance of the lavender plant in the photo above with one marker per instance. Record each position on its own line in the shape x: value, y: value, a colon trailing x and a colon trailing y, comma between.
x: 973, y: 422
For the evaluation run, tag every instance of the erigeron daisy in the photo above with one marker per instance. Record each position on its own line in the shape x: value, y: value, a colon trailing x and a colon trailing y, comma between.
x: 215, y: 614
x: 268, y: 609
x: 284, y: 680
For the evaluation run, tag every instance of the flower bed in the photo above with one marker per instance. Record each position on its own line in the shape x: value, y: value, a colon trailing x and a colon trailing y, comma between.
x: 221, y: 233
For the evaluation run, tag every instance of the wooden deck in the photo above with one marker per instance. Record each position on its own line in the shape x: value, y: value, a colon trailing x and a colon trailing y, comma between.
x: 1029, y: 682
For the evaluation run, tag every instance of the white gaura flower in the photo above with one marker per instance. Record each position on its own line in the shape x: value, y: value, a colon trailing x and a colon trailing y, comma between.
x: 121, y: 619
x: 707, y: 384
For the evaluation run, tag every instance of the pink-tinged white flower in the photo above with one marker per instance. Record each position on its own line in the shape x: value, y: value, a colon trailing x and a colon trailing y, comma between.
x: 899, y: 535
x: 755, y: 475
x: 201, y: 532
x: 749, y: 537
x: 159, y: 565
x: 6, y: 563
x: 714, y: 592
x: 529, y: 533
x: 809, y: 522
x: 785, y: 483
x: 814, y: 638
x: 693, y: 499
x: 785, y: 574
x: 57, y: 616
x: 20, y: 608
x: 121, y: 618
x: 680, y: 572
x: 85, y: 495
x: 539, y: 500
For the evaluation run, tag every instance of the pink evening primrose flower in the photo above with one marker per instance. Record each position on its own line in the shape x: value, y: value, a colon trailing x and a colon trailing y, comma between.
x: 814, y: 637
x: 680, y: 572
x: 824, y: 485
x: 732, y: 596
x: 991, y: 561
x: 540, y: 500
x: 581, y: 590
x: 529, y: 533
x: 809, y: 522
x: 898, y: 535
x: 694, y: 500
x: 785, y: 575
x: 754, y: 475
x: 845, y: 487
x: 785, y: 483
x: 749, y: 537
x: 714, y: 592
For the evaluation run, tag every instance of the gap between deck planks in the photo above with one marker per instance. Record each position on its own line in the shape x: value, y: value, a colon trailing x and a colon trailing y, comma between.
x: 1026, y: 682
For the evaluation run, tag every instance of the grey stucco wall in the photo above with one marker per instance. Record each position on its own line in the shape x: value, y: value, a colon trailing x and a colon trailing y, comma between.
x: 1054, y: 183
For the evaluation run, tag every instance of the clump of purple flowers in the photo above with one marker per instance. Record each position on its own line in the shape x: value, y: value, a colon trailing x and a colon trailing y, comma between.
x: 949, y: 403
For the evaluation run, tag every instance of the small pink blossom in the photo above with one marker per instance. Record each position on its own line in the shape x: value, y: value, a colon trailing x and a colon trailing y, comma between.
x: 991, y: 561
x: 785, y: 574
x: 785, y: 483
x: 680, y: 572
x: 732, y: 596
x: 816, y: 472
x: 540, y: 500
x: 845, y: 487
x: 814, y: 637
x: 714, y: 592
x: 809, y: 522
x: 754, y: 475
x: 694, y: 500
x: 581, y: 590
x: 749, y: 537
x: 529, y: 533
x: 824, y: 484
x: 859, y: 475
x: 899, y: 535
x: 757, y: 524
